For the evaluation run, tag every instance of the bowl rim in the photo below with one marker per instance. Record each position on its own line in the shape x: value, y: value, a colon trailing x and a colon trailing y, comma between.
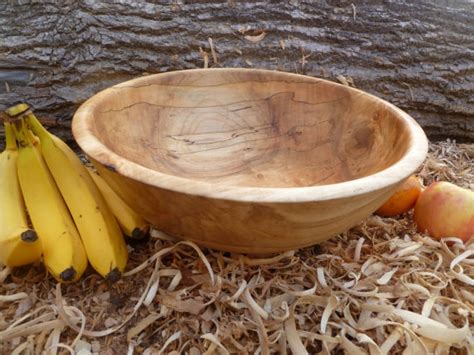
x: 411, y: 160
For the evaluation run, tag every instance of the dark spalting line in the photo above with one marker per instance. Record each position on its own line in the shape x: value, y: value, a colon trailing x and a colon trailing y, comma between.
x: 215, y: 132
x: 179, y: 170
x: 241, y: 109
x: 236, y: 169
x: 310, y: 81
x: 233, y: 144
x: 252, y: 130
x: 288, y: 133
x: 322, y: 179
x: 171, y: 155
x: 191, y: 142
x: 268, y: 98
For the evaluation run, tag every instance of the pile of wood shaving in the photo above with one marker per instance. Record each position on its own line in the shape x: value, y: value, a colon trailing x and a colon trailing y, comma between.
x: 380, y: 288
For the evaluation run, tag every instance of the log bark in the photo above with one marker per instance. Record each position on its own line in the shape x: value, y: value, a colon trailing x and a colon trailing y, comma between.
x: 417, y: 55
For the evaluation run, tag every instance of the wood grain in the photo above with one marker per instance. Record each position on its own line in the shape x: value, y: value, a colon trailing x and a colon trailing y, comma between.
x: 248, y: 160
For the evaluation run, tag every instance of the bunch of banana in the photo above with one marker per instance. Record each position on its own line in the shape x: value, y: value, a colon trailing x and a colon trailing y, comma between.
x: 76, y: 219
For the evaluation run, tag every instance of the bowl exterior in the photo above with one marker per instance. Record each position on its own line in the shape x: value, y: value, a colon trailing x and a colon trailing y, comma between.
x: 244, y: 217
x: 244, y: 227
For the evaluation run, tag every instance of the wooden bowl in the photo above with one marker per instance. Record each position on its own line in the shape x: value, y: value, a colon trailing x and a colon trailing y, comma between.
x: 250, y: 161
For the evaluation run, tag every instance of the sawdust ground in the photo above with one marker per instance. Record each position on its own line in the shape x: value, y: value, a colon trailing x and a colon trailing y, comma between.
x: 359, y: 292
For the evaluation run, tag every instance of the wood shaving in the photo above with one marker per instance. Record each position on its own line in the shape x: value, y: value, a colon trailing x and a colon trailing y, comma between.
x: 213, y: 51
x: 379, y: 288
x: 282, y: 44
x: 205, y: 58
x: 14, y: 297
x: 347, y: 81
x: 342, y: 80
x: 171, y: 339
x: 256, y: 38
x: 245, y: 29
x: 410, y: 90
x: 4, y: 273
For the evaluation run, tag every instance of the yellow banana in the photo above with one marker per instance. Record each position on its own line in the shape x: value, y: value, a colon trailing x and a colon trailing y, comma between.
x: 132, y: 224
x: 100, y: 232
x: 19, y: 245
x: 63, y: 252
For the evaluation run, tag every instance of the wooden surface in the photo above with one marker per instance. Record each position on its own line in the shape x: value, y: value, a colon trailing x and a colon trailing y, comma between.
x: 248, y: 160
x: 418, y: 55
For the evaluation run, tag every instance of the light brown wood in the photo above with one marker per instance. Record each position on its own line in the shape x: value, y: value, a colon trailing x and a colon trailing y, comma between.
x: 248, y: 160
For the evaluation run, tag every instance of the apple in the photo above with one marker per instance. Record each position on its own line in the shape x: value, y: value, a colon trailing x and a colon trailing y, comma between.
x: 445, y: 210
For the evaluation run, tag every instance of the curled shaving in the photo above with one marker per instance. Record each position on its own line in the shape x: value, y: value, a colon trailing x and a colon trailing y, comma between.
x: 175, y: 336
x: 213, y: 339
x: 379, y: 288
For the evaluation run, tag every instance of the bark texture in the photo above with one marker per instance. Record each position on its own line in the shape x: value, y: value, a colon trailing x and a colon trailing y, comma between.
x: 417, y: 55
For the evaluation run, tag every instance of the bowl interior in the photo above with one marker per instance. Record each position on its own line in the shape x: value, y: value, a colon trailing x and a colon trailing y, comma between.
x: 249, y: 128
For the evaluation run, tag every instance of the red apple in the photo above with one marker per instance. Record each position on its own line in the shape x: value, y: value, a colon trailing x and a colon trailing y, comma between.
x: 445, y: 210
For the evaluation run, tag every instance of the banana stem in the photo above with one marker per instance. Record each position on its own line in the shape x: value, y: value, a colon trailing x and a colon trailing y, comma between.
x: 9, y: 136
x: 36, y: 125
x: 20, y: 132
x: 17, y: 109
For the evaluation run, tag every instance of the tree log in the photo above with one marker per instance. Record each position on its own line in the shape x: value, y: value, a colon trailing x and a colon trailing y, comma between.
x: 418, y: 55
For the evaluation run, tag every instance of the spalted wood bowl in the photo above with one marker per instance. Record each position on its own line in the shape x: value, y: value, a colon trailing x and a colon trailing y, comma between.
x: 246, y: 160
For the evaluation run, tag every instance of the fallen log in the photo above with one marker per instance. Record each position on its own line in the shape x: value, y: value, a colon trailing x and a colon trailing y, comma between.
x: 417, y: 55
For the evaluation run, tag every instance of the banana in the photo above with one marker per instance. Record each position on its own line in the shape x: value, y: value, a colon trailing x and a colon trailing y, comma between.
x: 132, y: 225
x: 19, y: 245
x: 63, y: 252
x: 100, y: 232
